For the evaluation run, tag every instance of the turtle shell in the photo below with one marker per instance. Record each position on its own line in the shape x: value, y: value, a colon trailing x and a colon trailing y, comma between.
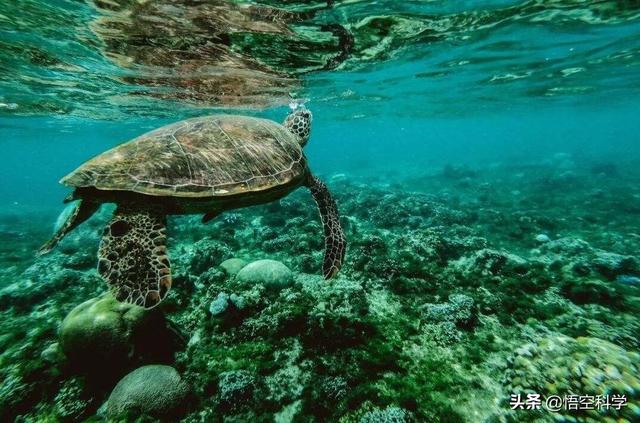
x: 217, y: 155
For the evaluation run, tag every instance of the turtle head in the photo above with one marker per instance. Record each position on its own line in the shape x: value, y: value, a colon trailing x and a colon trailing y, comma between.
x: 298, y: 122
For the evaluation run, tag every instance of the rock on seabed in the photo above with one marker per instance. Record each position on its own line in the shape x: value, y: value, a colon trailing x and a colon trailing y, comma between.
x: 155, y: 390
x: 270, y: 273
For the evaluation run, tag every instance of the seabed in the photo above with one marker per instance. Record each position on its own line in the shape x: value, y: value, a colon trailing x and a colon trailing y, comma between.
x: 476, y: 285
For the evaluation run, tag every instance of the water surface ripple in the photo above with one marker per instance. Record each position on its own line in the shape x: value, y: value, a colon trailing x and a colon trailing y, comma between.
x: 109, y: 59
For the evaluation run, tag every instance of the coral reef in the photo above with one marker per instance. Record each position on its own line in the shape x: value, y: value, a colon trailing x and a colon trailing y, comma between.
x: 270, y: 273
x: 155, y: 390
x: 388, y: 415
x: 232, y: 266
x: 450, y: 301
x: 102, y: 330
x: 560, y: 365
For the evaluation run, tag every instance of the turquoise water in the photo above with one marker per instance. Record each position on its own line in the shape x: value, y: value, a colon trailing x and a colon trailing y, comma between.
x: 453, y: 134
x: 527, y: 79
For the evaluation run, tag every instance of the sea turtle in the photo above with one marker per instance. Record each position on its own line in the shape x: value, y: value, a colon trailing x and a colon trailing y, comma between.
x: 204, y: 165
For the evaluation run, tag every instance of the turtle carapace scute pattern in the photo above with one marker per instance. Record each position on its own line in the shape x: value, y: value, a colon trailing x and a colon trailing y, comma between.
x: 203, y: 157
x: 205, y: 165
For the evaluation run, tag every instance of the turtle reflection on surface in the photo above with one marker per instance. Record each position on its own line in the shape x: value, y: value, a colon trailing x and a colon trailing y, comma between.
x: 195, y: 50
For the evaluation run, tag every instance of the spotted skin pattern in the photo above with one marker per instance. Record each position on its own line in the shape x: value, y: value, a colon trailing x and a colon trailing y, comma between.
x: 299, y: 123
x: 132, y: 257
x: 334, y: 240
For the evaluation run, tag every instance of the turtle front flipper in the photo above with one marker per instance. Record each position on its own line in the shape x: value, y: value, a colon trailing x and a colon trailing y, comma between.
x: 82, y: 211
x: 133, y: 256
x: 334, y: 240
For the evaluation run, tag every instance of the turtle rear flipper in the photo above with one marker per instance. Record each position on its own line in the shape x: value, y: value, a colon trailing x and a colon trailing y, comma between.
x: 82, y: 211
x: 334, y: 239
x: 133, y: 256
